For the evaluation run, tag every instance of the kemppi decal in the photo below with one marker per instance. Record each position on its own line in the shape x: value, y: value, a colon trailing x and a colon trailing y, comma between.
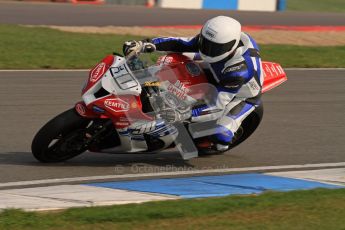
x: 116, y: 105
x: 97, y: 72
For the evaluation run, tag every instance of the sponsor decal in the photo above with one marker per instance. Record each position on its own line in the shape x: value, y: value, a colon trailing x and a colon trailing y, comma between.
x: 152, y: 83
x: 233, y: 68
x: 97, y: 72
x: 254, y: 85
x: 193, y: 69
x: 268, y: 70
x: 121, y: 123
x: 116, y: 105
x: 280, y: 69
x: 178, y: 89
x: 124, y: 119
x: 80, y: 109
x: 232, y: 86
x: 210, y: 34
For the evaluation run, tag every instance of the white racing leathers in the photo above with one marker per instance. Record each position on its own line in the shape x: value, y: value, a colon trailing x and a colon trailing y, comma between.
x: 238, y: 79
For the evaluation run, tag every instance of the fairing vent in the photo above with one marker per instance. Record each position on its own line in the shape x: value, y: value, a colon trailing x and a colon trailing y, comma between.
x: 101, y: 93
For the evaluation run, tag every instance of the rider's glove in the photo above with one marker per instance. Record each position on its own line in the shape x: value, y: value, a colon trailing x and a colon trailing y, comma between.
x: 148, y: 46
x: 131, y: 46
x: 138, y: 47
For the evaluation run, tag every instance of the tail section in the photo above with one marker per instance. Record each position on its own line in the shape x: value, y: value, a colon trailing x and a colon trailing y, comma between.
x: 274, y: 75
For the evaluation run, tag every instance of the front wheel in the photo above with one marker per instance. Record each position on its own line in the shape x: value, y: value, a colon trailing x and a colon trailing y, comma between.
x: 62, y: 138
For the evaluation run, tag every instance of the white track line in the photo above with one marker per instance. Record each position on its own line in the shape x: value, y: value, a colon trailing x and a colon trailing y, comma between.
x: 44, y: 70
x: 314, y: 69
x: 85, y: 70
x: 161, y: 174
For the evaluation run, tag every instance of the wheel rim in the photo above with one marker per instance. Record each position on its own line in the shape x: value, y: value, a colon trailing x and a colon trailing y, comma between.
x: 64, y: 147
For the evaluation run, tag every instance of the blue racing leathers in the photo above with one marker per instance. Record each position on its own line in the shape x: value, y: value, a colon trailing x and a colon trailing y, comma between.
x: 238, y: 79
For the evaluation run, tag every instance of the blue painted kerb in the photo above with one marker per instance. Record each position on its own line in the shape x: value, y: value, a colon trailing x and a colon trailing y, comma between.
x: 281, y: 5
x: 210, y: 186
x: 220, y: 4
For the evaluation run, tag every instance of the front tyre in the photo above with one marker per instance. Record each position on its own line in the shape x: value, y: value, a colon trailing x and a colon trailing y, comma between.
x: 62, y: 138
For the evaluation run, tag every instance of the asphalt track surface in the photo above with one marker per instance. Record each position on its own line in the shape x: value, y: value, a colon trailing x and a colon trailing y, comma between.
x: 303, y: 123
x: 104, y: 15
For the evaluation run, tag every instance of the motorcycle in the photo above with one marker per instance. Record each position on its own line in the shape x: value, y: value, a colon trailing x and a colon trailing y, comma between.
x: 121, y: 91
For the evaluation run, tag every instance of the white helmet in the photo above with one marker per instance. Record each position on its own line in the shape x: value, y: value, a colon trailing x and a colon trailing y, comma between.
x: 219, y: 37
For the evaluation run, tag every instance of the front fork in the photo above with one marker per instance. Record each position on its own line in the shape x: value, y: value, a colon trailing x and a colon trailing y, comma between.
x: 98, y: 127
x: 96, y: 130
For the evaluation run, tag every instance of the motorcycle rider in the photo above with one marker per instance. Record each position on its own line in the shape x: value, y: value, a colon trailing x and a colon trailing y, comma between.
x: 232, y: 62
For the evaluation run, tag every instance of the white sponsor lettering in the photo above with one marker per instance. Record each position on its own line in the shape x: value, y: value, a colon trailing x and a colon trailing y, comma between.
x: 122, y: 123
x: 117, y: 105
x: 178, y: 89
x: 233, y: 68
x: 97, y: 72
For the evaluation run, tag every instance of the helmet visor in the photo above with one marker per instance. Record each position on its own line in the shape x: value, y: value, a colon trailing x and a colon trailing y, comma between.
x: 213, y: 49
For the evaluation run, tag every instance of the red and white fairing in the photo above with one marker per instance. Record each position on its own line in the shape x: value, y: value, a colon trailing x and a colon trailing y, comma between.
x: 113, y: 92
x: 274, y: 75
x: 112, y: 87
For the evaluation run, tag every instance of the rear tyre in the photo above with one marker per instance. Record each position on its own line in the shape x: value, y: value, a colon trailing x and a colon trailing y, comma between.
x: 62, y: 138
x: 247, y: 128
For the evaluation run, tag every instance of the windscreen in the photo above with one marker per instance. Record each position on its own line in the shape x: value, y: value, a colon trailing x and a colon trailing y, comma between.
x: 171, y: 92
x: 166, y: 89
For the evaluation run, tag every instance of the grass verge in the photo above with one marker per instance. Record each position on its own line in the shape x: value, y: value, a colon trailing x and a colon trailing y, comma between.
x: 311, y: 5
x: 313, y: 209
x: 35, y: 48
x: 316, y: 5
x: 305, y: 56
x: 43, y: 48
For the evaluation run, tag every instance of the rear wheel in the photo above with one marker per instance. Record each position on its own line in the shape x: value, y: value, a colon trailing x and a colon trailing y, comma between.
x: 62, y: 138
x: 247, y: 128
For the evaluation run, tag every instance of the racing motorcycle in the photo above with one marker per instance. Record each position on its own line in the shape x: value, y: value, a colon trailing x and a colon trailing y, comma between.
x: 121, y: 91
